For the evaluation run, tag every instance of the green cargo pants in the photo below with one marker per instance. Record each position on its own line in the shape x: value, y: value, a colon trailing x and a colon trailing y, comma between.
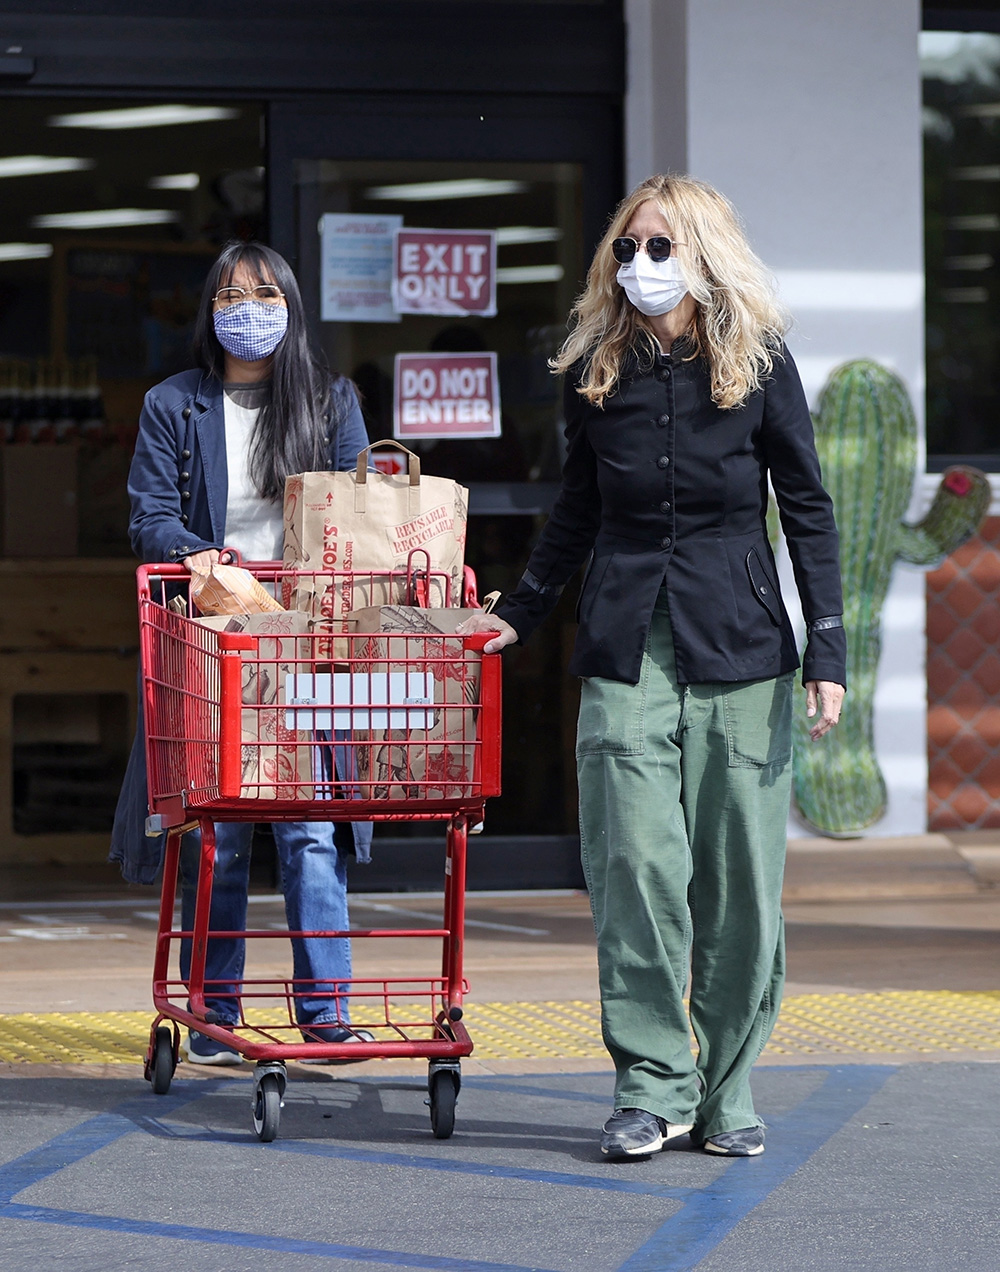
x: 684, y: 793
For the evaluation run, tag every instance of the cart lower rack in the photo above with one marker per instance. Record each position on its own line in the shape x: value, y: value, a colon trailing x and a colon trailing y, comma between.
x: 273, y: 721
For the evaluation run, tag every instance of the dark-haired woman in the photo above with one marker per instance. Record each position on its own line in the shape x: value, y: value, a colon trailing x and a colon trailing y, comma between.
x: 215, y: 445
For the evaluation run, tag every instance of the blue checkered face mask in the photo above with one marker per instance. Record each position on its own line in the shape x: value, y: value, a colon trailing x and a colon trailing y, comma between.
x: 251, y: 330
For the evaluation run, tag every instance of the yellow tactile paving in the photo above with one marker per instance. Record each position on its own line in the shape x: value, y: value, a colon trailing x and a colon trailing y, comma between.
x: 935, y: 1022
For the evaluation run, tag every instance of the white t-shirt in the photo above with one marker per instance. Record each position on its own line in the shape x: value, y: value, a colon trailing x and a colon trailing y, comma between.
x: 253, y: 524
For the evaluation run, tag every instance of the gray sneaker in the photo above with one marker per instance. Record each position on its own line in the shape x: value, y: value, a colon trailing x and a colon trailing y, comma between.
x: 746, y: 1142
x: 636, y: 1133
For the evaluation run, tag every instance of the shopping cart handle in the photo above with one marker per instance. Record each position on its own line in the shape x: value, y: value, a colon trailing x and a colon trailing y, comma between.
x: 234, y: 642
x: 476, y: 641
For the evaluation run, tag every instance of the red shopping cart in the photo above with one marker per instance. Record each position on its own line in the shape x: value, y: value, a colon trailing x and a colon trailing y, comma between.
x: 242, y: 725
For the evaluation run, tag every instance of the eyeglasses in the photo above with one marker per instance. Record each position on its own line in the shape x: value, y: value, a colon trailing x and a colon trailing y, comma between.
x: 266, y: 293
x: 658, y: 248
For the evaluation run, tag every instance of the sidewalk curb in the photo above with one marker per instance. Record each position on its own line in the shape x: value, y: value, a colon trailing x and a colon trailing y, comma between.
x: 894, y: 868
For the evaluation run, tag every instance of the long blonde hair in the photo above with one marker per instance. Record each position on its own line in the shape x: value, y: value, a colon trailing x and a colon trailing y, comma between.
x: 738, y: 324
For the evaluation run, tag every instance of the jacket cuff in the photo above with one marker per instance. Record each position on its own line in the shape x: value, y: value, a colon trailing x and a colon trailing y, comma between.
x: 518, y: 617
x: 529, y: 604
x: 826, y: 656
x: 186, y: 545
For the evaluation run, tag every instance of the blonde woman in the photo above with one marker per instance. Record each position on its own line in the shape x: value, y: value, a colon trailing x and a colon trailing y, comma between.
x: 680, y: 402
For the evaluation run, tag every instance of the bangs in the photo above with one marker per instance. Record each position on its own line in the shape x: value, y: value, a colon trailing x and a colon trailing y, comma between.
x: 253, y: 261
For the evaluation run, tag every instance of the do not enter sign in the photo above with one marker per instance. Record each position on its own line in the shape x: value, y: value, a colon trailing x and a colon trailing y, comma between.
x: 450, y: 272
x: 446, y: 395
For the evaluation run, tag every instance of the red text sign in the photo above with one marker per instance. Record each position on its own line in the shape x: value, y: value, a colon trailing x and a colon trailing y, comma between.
x: 444, y: 272
x: 446, y: 395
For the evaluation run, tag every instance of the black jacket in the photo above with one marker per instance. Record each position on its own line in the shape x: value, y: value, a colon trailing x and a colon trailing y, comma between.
x: 664, y: 487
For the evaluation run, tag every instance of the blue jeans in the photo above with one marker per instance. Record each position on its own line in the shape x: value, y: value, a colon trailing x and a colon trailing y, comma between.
x: 314, y: 883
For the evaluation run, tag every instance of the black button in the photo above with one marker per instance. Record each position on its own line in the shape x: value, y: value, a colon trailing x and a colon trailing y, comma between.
x: 184, y: 519
x: 665, y: 543
x: 185, y: 476
x: 172, y: 553
x: 665, y: 506
x: 663, y: 374
x: 185, y: 454
x: 663, y: 421
x: 663, y: 461
x: 185, y: 494
x: 186, y: 413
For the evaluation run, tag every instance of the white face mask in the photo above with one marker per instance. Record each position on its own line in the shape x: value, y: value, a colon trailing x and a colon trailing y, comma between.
x: 653, y: 287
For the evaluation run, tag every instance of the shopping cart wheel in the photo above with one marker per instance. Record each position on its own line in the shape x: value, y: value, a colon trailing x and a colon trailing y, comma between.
x: 268, y: 1090
x: 164, y: 1062
x: 443, y: 1087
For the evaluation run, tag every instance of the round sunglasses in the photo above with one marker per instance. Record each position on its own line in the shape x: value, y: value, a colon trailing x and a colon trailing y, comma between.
x: 658, y: 248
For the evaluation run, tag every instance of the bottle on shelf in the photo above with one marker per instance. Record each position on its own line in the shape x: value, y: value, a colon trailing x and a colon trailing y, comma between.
x: 93, y: 425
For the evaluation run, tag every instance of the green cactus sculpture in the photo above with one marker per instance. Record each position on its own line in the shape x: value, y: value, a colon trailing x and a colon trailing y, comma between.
x: 866, y: 436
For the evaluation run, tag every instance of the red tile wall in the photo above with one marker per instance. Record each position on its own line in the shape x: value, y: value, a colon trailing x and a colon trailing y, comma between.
x: 963, y: 686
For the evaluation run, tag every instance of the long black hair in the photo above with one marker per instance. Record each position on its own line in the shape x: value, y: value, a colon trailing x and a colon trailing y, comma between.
x: 293, y: 427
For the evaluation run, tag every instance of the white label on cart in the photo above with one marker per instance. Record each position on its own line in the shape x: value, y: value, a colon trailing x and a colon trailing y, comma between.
x: 360, y: 700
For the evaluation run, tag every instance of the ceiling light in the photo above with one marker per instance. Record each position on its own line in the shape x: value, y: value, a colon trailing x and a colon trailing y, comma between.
x: 509, y: 234
x: 531, y: 274
x: 37, y: 165
x: 979, y: 261
x: 978, y: 221
x: 426, y: 191
x: 965, y: 295
x: 105, y: 219
x: 978, y: 172
x: 24, y: 251
x: 143, y: 117
x: 176, y: 181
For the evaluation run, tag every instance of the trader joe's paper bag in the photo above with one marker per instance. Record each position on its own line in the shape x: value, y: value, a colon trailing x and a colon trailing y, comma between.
x: 278, y: 762
x: 338, y: 526
x: 420, y: 763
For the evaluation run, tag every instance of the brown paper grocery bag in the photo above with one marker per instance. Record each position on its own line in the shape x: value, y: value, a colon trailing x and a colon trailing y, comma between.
x: 420, y: 763
x: 228, y: 589
x: 277, y: 762
x: 363, y: 521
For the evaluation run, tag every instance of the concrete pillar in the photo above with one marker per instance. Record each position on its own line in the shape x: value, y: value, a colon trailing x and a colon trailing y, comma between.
x: 808, y: 117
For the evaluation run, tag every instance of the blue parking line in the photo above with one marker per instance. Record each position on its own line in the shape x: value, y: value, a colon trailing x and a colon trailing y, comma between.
x: 256, y: 1241
x: 509, y: 1086
x: 705, y: 1218
x: 454, y: 1166
x: 713, y: 1212
x: 83, y: 1140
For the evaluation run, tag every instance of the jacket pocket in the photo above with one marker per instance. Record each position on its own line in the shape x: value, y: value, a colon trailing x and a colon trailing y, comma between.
x: 592, y: 579
x: 763, y: 586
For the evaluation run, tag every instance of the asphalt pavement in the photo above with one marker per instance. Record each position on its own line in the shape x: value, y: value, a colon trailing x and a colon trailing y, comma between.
x: 882, y: 1157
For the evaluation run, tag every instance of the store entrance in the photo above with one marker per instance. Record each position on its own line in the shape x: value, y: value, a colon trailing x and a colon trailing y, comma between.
x: 112, y: 211
x: 543, y: 176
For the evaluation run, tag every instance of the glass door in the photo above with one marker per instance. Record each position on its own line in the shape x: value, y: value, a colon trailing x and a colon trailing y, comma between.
x: 543, y: 175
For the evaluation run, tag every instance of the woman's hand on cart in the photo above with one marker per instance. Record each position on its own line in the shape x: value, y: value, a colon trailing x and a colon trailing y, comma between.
x: 483, y: 622
x: 202, y: 562
x: 827, y: 697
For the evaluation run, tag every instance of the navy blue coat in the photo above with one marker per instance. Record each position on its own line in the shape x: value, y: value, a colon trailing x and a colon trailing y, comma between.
x: 178, y: 485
